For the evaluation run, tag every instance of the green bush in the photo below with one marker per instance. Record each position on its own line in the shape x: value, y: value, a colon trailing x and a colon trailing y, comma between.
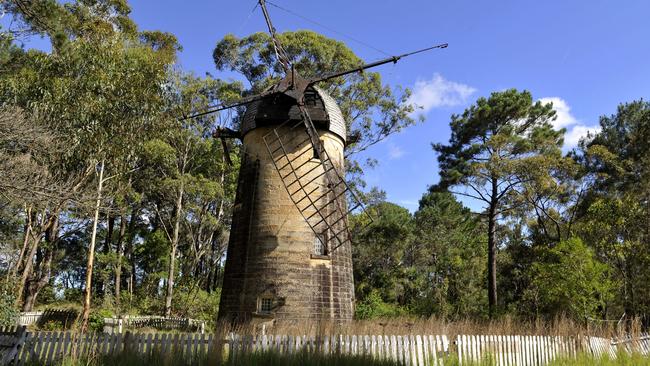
x: 96, y: 320
x: 196, y: 304
x: 8, y: 311
x: 373, y: 306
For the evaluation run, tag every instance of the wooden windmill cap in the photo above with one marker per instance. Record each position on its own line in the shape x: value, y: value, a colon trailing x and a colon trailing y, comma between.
x: 278, y: 108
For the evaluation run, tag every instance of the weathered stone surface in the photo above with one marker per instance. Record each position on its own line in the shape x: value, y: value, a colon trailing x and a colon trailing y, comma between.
x: 271, y: 246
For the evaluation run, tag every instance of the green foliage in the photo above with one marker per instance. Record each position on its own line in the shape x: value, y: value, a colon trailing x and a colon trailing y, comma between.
x: 8, y: 311
x: 432, y: 263
x: 569, y: 280
x: 622, y: 359
x: 501, y: 148
x: 379, y: 253
x: 615, y: 211
x: 96, y: 322
x: 373, y: 306
x: 197, y: 304
x: 450, y: 258
x: 505, y: 136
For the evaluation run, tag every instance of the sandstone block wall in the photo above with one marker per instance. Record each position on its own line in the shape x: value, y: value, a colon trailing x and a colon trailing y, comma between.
x: 270, y: 253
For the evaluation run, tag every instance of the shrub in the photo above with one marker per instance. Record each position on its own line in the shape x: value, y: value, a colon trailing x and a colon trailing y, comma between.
x: 8, y: 311
x: 373, y: 306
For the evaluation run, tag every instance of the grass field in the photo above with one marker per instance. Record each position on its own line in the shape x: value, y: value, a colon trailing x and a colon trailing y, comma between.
x: 311, y: 359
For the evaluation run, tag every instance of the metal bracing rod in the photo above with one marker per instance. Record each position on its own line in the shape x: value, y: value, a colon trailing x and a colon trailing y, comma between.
x: 392, y: 59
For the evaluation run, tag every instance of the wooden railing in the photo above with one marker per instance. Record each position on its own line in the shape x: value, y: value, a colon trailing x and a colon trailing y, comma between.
x: 64, y: 317
x: 118, y: 325
x: 29, y: 318
x: 640, y: 344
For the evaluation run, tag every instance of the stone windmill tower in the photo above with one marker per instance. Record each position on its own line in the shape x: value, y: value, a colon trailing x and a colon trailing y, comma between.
x: 289, y: 255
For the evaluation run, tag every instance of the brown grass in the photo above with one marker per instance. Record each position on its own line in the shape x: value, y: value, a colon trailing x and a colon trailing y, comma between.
x: 405, y: 325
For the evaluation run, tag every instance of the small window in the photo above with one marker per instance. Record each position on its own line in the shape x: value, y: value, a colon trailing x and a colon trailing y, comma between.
x: 310, y: 98
x: 319, y: 245
x: 266, y: 304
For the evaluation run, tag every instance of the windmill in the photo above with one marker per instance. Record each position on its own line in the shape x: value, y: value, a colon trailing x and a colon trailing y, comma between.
x: 289, y: 253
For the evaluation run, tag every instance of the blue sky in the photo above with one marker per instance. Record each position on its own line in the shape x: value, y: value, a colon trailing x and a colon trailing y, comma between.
x: 586, y: 56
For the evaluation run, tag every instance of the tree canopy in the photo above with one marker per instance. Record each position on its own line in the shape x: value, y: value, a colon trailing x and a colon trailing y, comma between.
x: 111, y: 205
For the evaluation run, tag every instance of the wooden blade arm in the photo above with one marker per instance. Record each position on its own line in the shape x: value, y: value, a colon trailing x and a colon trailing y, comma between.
x: 280, y: 53
x: 221, y: 107
x: 392, y: 59
x: 226, y: 151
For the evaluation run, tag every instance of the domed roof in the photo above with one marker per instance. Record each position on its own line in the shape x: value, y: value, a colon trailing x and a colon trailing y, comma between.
x: 332, y: 118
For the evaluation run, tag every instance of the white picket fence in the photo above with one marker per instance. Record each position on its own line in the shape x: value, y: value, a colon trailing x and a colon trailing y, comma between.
x: 507, y: 350
x: 639, y: 344
x: 61, y: 316
x: 29, y: 318
x: 599, y: 347
x: 411, y: 350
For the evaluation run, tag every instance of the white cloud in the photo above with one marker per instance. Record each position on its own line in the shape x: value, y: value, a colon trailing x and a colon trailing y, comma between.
x: 575, y: 129
x: 562, y: 111
x: 572, y: 137
x: 394, y: 151
x: 439, y: 92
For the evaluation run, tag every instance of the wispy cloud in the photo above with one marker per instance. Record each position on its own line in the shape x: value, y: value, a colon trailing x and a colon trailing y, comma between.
x: 439, y: 92
x: 394, y: 151
x: 575, y: 129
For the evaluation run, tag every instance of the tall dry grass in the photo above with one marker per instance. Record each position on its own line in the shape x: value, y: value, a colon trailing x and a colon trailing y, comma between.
x: 560, y: 326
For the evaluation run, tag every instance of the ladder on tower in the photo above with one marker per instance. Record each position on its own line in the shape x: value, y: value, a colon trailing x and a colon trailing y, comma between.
x: 323, y: 206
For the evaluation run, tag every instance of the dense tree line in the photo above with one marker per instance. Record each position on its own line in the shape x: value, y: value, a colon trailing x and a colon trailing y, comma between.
x: 561, y: 234
x: 112, y: 204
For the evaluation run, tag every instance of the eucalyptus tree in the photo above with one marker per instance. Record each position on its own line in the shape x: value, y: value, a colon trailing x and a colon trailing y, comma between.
x: 185, y: 175
x: 102, y: 89
x: 499, y: 147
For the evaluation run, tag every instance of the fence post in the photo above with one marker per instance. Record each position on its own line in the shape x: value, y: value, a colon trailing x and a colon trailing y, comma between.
x: 202, y: 327
x: 127, y: 341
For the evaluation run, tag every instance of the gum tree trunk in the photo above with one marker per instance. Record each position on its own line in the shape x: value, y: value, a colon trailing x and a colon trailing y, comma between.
x: 91, y: 253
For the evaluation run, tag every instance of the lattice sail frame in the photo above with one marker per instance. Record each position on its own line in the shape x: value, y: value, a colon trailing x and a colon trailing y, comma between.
x: 326, y: 212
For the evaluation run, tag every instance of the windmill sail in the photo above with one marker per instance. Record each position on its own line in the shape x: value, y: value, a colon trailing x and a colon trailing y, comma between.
x: 315, y: 182
x: 321, y: 195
